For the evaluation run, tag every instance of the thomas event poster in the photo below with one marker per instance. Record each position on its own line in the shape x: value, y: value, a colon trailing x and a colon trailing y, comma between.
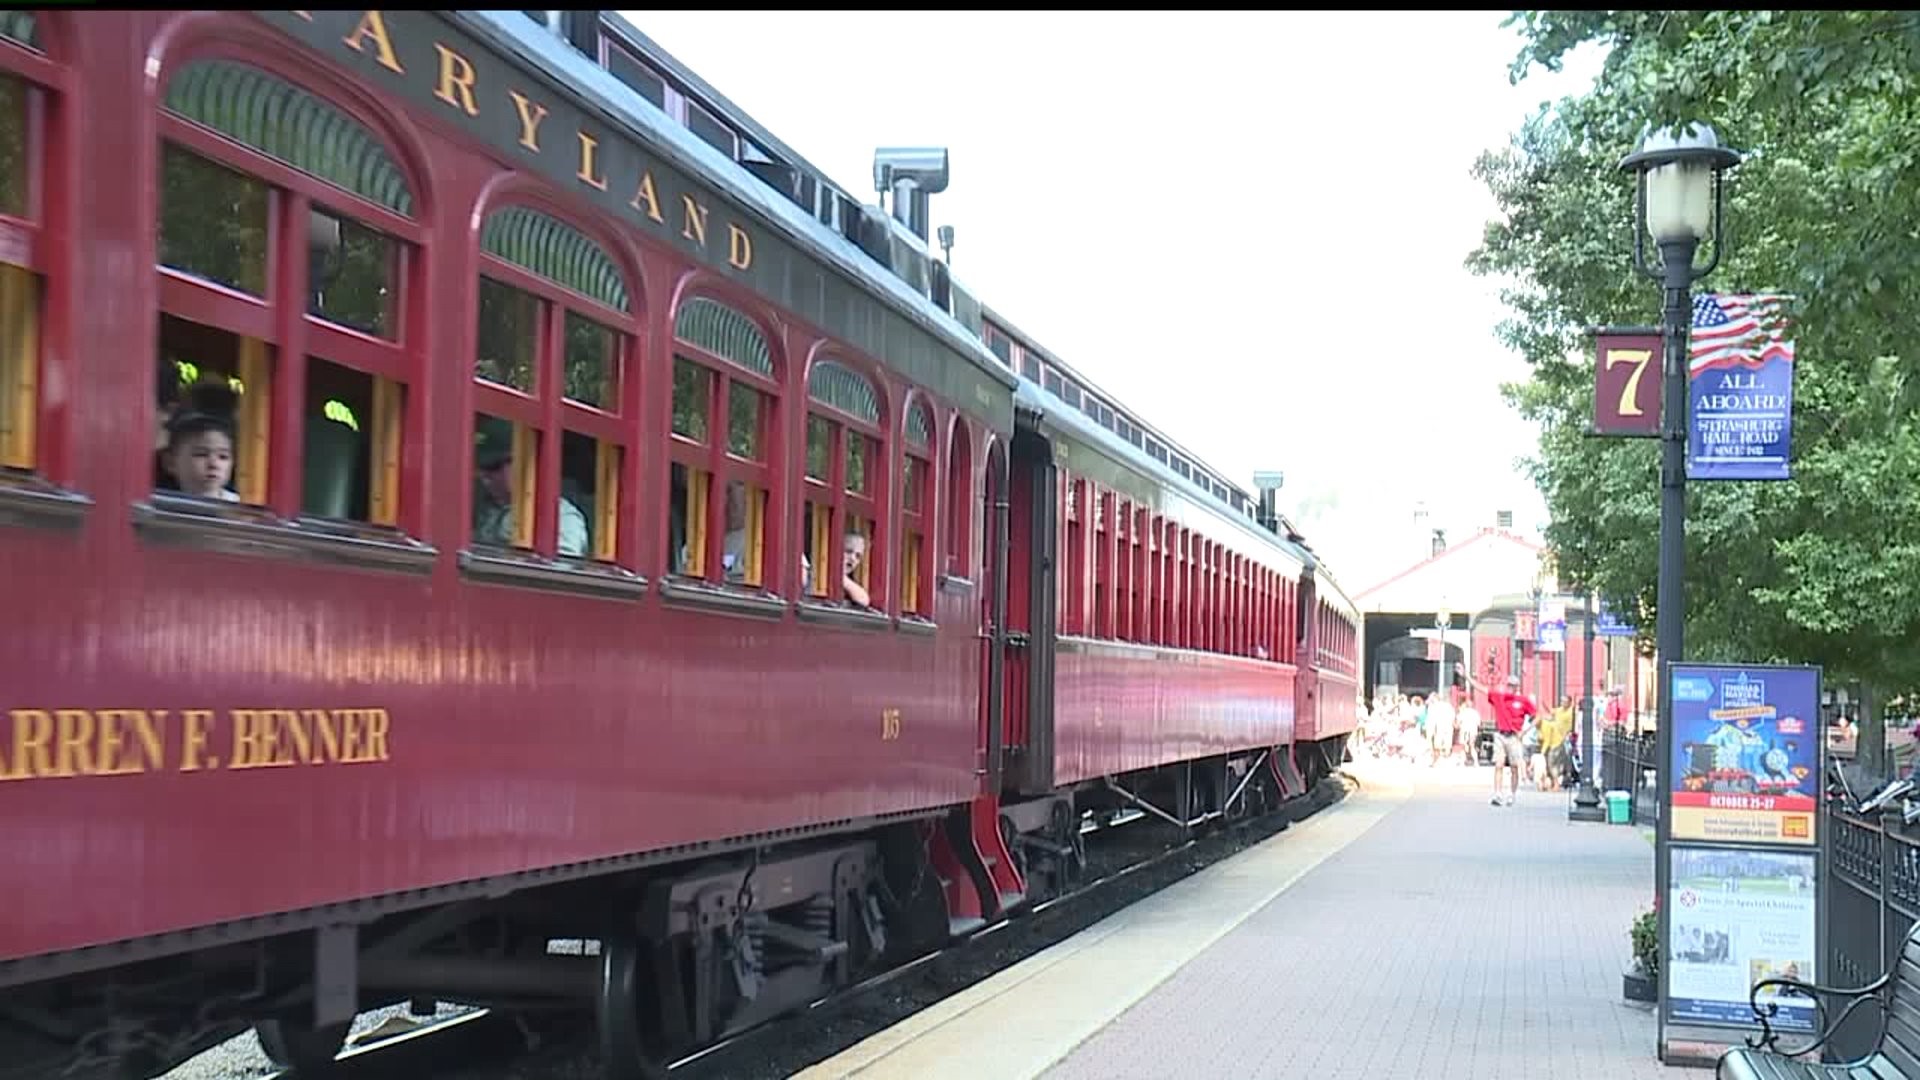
x: 1746, y: 744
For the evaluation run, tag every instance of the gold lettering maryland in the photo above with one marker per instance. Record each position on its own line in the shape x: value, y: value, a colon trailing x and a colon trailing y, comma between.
x: 588, y: 173
x: 694, y: 226
x: 531, y: 113
x: 193, y: 725
x: 456, y: 74
x: 739, y: 247
x: 372, y: 25
x: 646, y: 194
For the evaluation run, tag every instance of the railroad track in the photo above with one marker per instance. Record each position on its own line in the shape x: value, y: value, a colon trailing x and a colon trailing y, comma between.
x: 465, y: 1041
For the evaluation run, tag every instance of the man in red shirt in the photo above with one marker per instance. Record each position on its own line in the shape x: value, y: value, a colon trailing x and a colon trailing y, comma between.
x: 1616, y: 714
x: 1511, y: 710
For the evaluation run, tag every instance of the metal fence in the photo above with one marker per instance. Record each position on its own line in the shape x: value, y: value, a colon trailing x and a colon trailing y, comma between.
x: 1628, y: 763
x: 1872, y: 901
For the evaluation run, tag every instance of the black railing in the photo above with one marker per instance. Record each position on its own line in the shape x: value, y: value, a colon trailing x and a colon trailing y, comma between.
x: 1628, y: 763
x: 1873, y: 900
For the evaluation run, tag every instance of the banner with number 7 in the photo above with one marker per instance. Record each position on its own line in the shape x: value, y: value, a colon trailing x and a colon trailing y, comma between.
x: 1626, y: 382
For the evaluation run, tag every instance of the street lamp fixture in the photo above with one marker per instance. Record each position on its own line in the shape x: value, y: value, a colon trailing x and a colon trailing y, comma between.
x: 1680, y: 199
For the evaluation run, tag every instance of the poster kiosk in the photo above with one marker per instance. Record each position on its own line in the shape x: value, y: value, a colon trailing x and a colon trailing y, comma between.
x: 1741, y: 875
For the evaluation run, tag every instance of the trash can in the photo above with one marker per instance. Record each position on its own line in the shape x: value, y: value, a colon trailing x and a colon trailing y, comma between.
x: 1619, y: 807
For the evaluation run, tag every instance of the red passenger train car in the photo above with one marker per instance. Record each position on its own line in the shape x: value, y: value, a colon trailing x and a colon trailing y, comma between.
x: 464, y: 489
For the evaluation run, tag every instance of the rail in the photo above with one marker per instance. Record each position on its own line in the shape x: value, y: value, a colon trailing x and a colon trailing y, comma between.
x: 1630, y: 763
x: 1873, y: 899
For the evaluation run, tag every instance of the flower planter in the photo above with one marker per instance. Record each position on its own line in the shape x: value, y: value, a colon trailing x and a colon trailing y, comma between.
x: 1637, y: 985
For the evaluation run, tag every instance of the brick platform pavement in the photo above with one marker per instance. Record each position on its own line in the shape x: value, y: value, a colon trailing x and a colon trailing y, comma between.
x: 1453, y: 939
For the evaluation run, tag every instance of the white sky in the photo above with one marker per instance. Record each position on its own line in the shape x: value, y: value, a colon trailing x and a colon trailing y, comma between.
x: 1249, y: 228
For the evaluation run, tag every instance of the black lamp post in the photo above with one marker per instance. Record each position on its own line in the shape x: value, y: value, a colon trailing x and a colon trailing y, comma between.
x: 1679, y: 199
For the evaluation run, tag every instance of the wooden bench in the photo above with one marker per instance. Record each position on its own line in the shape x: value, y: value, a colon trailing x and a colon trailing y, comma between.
x: 1896, y: 1050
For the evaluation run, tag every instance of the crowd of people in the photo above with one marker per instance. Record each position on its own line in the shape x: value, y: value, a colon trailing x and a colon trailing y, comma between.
x: 1527, y: 743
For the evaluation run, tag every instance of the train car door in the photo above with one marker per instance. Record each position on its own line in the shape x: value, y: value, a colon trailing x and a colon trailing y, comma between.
x: 1026, y: 687
x: 1306, y: 680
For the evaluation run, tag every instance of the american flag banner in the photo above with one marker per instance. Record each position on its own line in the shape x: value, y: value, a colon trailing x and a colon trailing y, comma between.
x: 1740, y: 371
x: 1738, y: 328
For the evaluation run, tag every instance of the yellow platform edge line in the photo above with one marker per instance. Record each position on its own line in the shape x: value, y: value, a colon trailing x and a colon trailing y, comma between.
x: 985, y: 1031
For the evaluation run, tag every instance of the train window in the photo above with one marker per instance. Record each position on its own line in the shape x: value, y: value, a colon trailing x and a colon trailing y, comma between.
x: 960, y: 503
x: 722, y: 479
x: 21, y: 112
x: 211, y: 432
x: 19, y: 366
x: 1123, y: 570
x: 631, y: 71
x: 842, y: 490
x: 1162, y: 583
x: 22, y: 28
x: 549, y: 362
x: 1103, y: 565
x: 711, y: 129
x: 1202, y: 557
x: 223, y: 350
x: 998, y: 343
x: 213, y: 222
x: 353, y: 274
x: 505, y: 456
x: 1141, y: 575
x: 15, y: 168
x: 1073, y: 613
x: 1029, y: 367
x: 509, y: 338
x: 1180, y: 616
x: 351, y: 464
x: 1234, y: 575
x: 916, y: 513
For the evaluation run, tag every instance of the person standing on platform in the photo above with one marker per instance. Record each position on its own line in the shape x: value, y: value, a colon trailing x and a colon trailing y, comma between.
x: 1468, y: 721
x: 1616, y: 714
x: 1511, y: 711
x: 1440, y: 718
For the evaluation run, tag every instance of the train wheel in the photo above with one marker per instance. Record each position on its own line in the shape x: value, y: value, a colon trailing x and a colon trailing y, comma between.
x: 298, y: 1045
x: 631, y: 1044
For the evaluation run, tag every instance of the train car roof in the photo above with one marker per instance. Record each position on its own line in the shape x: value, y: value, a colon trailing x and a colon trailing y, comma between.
x: 571, y: 72
x: 593, y: 86
x: 1056, y: 413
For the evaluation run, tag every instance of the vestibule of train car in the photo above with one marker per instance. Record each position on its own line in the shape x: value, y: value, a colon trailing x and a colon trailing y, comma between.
x: 1031, y: 575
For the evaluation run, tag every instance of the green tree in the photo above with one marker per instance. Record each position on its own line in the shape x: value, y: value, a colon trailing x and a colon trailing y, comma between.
x: 1824, y: 568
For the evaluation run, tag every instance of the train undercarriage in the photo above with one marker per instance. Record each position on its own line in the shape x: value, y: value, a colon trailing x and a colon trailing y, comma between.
x: 665, y: 961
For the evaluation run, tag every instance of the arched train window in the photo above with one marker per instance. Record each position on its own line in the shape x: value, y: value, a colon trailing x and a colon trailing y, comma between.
x: 916, y: 513
x: 725, y: 393
x: 552, y: 364
x: 844, y: 478
x: 250, y: 164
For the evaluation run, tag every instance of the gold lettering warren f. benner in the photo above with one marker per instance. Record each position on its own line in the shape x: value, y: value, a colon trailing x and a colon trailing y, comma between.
x: 45, y: 744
